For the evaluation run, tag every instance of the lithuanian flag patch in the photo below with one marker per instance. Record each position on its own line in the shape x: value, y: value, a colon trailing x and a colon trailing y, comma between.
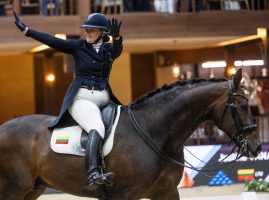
x: 245, y: 174
x: 62, y: 140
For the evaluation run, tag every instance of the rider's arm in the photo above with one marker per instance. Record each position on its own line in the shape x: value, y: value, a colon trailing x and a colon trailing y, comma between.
x: 66, y: 46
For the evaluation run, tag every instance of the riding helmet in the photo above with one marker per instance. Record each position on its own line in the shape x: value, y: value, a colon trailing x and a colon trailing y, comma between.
x: 96, y: 20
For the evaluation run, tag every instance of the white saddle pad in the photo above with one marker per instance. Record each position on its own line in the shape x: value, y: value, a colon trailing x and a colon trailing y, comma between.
x: 67, y: 140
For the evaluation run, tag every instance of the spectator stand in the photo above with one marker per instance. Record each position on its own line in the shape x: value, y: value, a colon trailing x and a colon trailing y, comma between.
x: 6, y: 7
x: 30, y: 7
x: 106, y: 6
x: 50, y: 7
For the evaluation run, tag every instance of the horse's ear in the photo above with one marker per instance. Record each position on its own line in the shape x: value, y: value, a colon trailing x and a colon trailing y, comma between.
x: 238, y: 78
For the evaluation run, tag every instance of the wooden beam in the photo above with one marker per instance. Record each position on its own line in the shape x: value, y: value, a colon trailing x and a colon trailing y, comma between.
x: 266, y: 50
x: 264, y: 34
x: 229, y: 58
x: 83, y: 8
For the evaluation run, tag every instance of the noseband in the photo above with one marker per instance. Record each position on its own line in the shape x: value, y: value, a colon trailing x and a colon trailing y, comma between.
x: 242, y: 130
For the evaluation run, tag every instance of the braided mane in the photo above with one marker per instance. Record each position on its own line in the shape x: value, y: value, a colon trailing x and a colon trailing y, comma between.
x: 180, y: 83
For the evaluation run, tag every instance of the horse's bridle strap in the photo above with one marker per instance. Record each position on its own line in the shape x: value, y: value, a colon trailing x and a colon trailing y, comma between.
x: 148, y: 141
x: 241, y: 129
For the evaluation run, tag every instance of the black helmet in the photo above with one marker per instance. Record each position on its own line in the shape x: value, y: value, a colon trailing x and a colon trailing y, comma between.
x: 96, y: 20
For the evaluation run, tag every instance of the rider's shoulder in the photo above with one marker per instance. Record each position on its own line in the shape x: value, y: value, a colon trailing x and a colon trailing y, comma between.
x: 77, y: 42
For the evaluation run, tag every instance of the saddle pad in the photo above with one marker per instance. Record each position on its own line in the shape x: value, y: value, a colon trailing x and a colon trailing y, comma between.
x: 67, y: 140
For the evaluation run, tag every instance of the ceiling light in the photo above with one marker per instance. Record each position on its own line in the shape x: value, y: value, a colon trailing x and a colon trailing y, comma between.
x: 214, y: 64
x: 240, y: 63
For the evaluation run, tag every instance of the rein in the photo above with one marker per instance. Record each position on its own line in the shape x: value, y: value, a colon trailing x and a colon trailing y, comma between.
x: 240, y: 137
x: 148, y: 141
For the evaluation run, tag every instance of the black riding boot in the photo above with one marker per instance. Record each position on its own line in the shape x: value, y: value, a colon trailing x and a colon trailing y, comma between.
x: 93, y: 154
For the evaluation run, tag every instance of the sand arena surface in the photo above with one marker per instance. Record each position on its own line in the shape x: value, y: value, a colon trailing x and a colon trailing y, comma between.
x: 232, y: 192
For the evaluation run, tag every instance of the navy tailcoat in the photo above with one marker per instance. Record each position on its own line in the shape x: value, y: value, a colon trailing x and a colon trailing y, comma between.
x: 91, y: 68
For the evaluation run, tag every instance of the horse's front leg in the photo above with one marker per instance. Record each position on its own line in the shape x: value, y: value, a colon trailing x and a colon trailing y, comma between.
x: 11, y: 191
x: 15, y: 182
x: 166, y: 185
x: 169, y: 195
x: 35, y: 193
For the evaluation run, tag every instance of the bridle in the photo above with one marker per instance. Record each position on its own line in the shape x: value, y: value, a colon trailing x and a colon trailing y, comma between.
x: 242, y: 130
x: 240, y: 137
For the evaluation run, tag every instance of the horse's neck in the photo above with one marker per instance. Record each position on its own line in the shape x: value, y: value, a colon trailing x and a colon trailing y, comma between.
x: 173, y: 120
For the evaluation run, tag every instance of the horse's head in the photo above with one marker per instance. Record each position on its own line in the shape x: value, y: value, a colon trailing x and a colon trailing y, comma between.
x: 235, y: 119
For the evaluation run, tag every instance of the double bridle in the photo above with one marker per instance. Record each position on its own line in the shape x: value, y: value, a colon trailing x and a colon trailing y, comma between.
x: 242, y: 130
x: 240, y: 137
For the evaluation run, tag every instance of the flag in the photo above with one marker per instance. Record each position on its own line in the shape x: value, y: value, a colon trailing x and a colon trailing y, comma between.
x: 62, y: 140
x: 245, y: 174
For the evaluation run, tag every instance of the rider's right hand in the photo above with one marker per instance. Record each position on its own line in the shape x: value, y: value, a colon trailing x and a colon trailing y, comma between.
x: 114, y: 27
x: 18, y: 22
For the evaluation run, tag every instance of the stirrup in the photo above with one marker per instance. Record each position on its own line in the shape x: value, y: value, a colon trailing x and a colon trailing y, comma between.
x: 100, y: 178
x: 109, y: 178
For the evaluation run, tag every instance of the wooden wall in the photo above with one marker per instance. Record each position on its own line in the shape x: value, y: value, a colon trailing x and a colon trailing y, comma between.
x: 143, y: 74
x: 17, y: 96
x: 150, y: 25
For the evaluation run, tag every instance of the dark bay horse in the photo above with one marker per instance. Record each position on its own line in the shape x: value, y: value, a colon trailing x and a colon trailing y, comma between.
x: 167, y: 116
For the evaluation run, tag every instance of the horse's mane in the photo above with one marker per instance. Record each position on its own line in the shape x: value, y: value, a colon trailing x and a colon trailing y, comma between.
x: 180, y: 83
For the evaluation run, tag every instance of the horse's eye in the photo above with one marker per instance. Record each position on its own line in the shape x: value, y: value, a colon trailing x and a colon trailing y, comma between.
x: 244, y: 107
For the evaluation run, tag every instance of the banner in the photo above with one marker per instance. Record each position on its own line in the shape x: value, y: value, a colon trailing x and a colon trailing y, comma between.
x: 227, y: 170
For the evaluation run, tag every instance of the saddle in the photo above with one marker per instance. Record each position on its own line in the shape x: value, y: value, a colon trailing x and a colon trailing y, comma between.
x: 109, y: 112
x: 70, y: 138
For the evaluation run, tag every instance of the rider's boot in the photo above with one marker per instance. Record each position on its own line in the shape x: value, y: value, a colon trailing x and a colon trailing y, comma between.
x: 93, y: 153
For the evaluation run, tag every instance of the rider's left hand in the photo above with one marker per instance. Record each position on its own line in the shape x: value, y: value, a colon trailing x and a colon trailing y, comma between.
x: 114, y: 28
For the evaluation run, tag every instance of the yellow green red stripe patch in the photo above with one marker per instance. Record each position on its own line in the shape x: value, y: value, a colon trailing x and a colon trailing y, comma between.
x: 62, y: 140
x: 245, y: 174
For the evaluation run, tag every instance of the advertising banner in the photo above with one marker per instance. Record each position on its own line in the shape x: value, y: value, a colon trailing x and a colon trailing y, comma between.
x: 226, y: 168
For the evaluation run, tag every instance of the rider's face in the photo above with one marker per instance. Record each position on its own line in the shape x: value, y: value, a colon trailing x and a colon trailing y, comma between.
x: 91, y: 34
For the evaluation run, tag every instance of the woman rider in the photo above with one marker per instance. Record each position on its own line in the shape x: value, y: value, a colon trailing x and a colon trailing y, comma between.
x: 90, y: 88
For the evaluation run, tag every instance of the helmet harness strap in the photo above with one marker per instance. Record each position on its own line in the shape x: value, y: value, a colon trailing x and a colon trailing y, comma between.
x: 98, y: 39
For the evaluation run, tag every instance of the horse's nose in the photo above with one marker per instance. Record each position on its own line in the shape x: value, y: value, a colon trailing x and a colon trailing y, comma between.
x: 254, y: 147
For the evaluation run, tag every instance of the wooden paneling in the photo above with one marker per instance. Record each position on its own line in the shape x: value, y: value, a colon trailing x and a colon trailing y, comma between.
x: 143, y: 74
x: 16, y: 87
x: 49, y: 96
x: 53, y: 24
x: 150, y: 25
x: 210, y: 23
x: 200, y: 55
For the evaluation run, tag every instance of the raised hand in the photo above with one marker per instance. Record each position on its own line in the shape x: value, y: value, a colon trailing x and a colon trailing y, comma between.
x: 18, y: 22
x: 114, y: 27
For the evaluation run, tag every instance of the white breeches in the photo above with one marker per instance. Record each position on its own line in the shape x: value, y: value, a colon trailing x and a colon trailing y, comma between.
x: 85, y: 109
